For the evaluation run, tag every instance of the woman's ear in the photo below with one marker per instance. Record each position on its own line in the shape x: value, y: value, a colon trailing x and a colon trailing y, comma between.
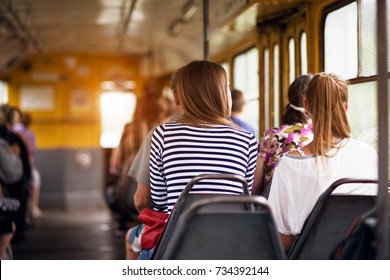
x: 346, y: 107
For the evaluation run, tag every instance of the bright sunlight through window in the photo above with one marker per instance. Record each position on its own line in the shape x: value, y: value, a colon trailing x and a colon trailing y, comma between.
x: 3, y: 92
x: 117, y: 108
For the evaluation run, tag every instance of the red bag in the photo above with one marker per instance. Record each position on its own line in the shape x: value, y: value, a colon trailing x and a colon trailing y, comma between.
x: 154, y: 224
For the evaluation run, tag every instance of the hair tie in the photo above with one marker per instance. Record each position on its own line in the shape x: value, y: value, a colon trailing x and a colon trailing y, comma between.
x: 296, y: 108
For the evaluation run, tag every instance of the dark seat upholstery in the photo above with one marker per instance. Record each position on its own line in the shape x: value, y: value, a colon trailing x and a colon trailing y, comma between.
x: 186, y: 199
x: 329, y: 221
x: 204, y: 233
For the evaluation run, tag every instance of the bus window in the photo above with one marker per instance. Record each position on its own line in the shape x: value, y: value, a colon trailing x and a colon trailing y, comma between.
x: 276, y: 82
x: 368, y: 39
x: 246, y: 79
x: 341, y: 27
x: 3, y: 92
x: 303, y: 50
x: 117, y: 108
x: 291, y: 60
x: 355, y: 57
x: 364, y: 126
x: 266, y: 88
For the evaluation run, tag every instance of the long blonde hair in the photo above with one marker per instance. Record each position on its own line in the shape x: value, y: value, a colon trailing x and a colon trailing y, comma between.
x: 327, y: 96
x: 202, y: 93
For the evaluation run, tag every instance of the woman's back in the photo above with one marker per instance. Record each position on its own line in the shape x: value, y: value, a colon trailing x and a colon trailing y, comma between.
x: 300, y: 180
x: 180, y: 151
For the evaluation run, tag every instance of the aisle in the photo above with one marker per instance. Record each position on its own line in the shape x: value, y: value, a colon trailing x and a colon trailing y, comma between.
x: 81, y: 235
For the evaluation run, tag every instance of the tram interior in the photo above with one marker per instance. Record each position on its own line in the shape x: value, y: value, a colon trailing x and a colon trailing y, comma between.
x: 60, y: 60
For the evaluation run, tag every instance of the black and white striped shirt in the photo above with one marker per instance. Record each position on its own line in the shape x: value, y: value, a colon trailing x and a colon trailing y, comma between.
x: 180, y: 151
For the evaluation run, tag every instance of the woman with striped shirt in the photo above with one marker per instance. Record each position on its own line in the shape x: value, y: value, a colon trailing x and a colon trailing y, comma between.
x: 202, y: 140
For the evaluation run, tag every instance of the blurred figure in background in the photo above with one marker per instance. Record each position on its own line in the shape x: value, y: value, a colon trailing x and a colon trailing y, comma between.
x: 21, y: 122
x: 122, y: 158
x: 17, y: 189
x: 238, y: 106
x: 36, y: 176
x: 10, y: 172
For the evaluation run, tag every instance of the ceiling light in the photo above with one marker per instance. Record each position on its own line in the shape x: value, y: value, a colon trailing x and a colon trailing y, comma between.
x: 175, y: 27
x: 189, y: 10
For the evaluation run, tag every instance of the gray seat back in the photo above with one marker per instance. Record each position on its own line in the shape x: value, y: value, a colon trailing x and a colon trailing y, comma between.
x: 329, y: 221
x: 186, y: 199
x: 206, y: 233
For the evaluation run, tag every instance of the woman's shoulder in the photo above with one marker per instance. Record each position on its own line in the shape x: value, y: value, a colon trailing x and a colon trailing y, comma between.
x: 169, y: 125
x: 274, y: 130
x: 360, y: 147
x: 288, y: 131
x: 299, y: 129
x: 289, y: 128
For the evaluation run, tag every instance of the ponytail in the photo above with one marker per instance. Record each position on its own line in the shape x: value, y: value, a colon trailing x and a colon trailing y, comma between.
x: 327, y: 97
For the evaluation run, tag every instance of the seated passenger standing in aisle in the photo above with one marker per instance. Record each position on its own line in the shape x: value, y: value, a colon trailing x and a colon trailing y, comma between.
x: 238, y: 105
x: 202, y: 140
x: 295, y: 133
x: 300, y: 178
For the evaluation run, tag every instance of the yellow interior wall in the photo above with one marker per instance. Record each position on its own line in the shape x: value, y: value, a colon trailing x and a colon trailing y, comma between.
x: 69, y: 124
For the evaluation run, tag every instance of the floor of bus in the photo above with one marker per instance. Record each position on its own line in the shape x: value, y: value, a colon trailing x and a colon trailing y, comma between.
x: 72, y: 235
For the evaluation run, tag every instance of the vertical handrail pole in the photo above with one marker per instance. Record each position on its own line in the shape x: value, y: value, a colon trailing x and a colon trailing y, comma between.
x: 205, y: 29
x: 382, y: 232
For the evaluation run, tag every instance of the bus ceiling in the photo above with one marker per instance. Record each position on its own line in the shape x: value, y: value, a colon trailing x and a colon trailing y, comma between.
x: 166, y: 34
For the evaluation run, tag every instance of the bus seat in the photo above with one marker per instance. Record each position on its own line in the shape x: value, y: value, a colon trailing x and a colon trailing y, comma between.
x: 226, y: 235
x: 329, y: 221
x: 186, y: 199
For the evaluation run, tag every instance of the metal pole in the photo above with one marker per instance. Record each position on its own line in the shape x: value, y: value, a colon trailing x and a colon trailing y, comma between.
x: 382, y: 232
x: 205, y: 29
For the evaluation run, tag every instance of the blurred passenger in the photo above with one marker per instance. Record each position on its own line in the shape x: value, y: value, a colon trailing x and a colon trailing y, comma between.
x: 120, y: 162
x: 238, y: 106
x: 133, y: 135
x: 295, y: 133
x: 166, y: 109
x: 20, y: 189
x: 140, y: 172
x: 11, y: 171
x: 178, y: 149
x: 36, y: 176
x: 301, y: 177
x: 21, y: 122
x: 127, y: 148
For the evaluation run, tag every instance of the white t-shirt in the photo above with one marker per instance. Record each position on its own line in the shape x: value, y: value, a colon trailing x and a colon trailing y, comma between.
x: 299, y: 181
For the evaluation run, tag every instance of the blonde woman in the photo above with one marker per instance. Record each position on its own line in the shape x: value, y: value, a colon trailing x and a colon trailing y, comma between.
x: 202, y: 140
x: 300, y: 178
